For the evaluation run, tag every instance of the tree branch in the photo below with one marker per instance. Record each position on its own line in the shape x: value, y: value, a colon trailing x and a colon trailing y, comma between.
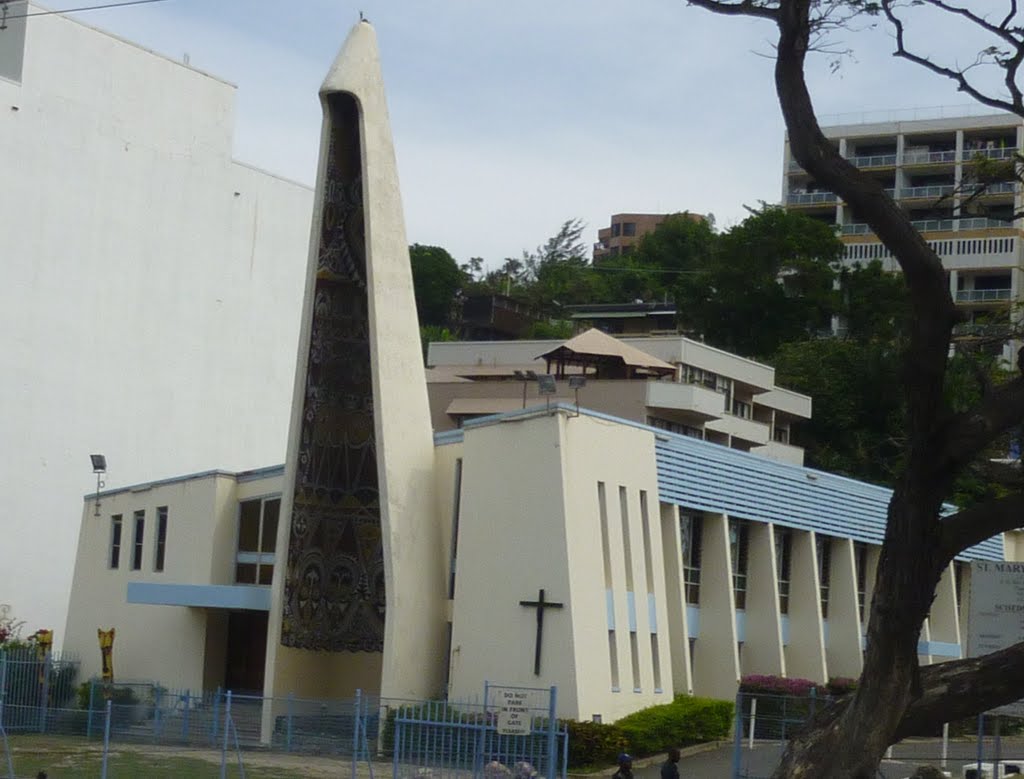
x: 964, y: 688
x: 743, y: 8
x: 967, y: 434
x: 975, y: 524
x: 1003, y: 31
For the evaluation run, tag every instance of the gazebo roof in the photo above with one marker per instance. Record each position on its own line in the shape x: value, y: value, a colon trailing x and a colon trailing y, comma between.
x: 594, y: 347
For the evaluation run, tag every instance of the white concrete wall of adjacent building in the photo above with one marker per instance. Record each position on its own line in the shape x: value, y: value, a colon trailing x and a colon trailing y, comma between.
x: 152, y: 289
x: 591, y: 454
x: 160, y: 643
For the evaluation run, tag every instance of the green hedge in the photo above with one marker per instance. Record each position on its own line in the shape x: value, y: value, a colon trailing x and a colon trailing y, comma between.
x: 595, y: 744
x: 684, y: 721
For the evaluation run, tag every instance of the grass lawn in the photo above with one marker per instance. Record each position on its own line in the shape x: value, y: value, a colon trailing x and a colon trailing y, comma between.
x: 76, y: 758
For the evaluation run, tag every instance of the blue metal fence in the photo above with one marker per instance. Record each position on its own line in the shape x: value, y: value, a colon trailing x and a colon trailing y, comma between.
x: 513, y: 732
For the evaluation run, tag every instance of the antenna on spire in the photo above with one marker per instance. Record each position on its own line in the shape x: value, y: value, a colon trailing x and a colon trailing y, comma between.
x: 362, y: 17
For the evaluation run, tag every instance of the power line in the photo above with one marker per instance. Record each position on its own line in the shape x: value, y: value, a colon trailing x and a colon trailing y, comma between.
x: 82, y: 8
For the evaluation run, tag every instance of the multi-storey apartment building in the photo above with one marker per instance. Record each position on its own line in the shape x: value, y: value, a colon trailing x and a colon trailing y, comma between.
x: 931, y: 167
x: 626, y: 230
x: 679, y: 385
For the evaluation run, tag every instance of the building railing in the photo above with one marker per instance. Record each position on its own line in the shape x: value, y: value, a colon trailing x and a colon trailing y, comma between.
x: 810, y: 198
x: 982, y: 295
x: 873, y: 161
x: 934, y: 191
x: 967, y: 330
x: 1005, y: 153
x: 999, y: 188
x: 933, y: 225
x: 982, y: 222
x: 929, y: 157
x: 857, y: 228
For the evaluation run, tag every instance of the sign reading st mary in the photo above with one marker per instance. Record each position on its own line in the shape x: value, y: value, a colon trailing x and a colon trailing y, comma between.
x: 996, y: 614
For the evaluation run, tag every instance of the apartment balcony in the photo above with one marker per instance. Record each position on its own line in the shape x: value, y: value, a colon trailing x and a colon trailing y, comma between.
x: 999, y: 188
x: 930, y: 193
x: 873, y: 161
x: 811, y: 198
x: 985, y: 223
x: 921, y: 225
x: 774, y: 450
x: 982, y: 295
x: 738, y: 427
x: 929, y: 157
x: 992, y: 154
x: 693, y: 398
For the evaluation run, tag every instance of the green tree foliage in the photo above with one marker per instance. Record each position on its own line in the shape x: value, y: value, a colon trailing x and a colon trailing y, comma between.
x: 436, y: 280
x: 874, y: 303
x: 767, y: 281
x: 680, y: 245
x: 559, y: 272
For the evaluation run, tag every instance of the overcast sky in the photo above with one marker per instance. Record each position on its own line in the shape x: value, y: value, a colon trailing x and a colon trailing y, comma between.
x: 510, y: 118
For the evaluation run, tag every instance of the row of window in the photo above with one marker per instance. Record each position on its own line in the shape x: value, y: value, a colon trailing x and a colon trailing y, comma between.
x: 138, y: 542
x: 626, y: 229
x: 691, y: 533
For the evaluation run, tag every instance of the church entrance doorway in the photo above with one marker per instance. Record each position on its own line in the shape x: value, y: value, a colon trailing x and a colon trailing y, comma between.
x: 246, y: 651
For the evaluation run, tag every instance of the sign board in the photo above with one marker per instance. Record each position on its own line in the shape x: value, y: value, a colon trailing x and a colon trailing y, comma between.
x: 513, y: 713
x: 996, y: 613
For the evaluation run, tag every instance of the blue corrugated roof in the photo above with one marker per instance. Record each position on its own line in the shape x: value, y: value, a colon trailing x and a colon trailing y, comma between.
x: 710, y: 477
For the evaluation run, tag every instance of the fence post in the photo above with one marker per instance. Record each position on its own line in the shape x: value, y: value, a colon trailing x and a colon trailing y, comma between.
x: 753, y: 722
x: 999, y: 742
x: 224, y: 744
x: 945, y: 743
x: 288, y: 724
x: 981, y: 738
x: 737, y: 741
x: 187, y: 700
x: 157, y: 701
x: 44, y: 706
x: 92, y: 702
x: 3, y: 697
x: 355, y: 731
x: 216, y: 716
x: 106, y: 739
x: 552, y: 743
x: 479, y: 762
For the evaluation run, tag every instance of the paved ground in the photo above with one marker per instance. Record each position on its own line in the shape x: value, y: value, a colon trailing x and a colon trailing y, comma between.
x: 757, y: 763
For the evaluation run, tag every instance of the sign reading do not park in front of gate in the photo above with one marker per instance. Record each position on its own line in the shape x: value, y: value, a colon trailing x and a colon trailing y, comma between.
x: 513, y: 713
x: 996, y: 615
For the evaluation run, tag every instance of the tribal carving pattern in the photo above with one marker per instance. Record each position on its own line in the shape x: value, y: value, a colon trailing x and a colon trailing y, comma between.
x: 334, y: 585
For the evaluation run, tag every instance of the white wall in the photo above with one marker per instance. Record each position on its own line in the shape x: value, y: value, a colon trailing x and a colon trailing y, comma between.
x: 151, y: 294
x: 163, y: 643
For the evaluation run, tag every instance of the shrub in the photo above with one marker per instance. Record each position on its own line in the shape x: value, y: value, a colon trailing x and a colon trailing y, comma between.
x: 594, y: 743
x: 686, y: 720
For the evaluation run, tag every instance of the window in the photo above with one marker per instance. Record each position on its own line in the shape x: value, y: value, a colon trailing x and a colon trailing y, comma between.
x: 161, y: 538
x: 739, y: 537
x: 115, y: 541
x: 691, y: 528
x: 783, y: 565
x: 780, y: 435
x: 257, y: 538
x: 457, y: 501
x: 629, y: 229
x: 675, y: 427
x: 137, y: 541
x: 616, y: 229
x: 860, y: 551
x: 824, y: 544
x: 741, y: 409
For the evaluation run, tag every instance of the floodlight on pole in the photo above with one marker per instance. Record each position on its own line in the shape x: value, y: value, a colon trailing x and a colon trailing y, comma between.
x: 547, y: 387
x: 575, y: 384
x: 99, y: 467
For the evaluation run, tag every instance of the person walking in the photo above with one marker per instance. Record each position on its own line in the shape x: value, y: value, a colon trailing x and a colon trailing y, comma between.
x: 625, y: 767
x: 670, y: 768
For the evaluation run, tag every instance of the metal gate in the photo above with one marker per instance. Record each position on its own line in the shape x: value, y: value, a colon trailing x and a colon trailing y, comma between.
x: 34, y: 688
x: 513, y: 733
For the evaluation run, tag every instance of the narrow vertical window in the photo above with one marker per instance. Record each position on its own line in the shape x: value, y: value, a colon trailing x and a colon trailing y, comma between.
x: 634, y: 651
x: 115, y: 541
x: 613, y: 657
x: 161, y: 538
x: 257, y: 539
x: 958, y: 581
x: 456, y: 505
x: 861, y: 562
x: 138, y: 540
x: 606, y: 551
x: 646, y: 527
x: 691, y: 529
x: 627, y: 549
x: 783, y: 565
x: 739, y: 534
x: 824, y: 544
x: 657, y: 662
